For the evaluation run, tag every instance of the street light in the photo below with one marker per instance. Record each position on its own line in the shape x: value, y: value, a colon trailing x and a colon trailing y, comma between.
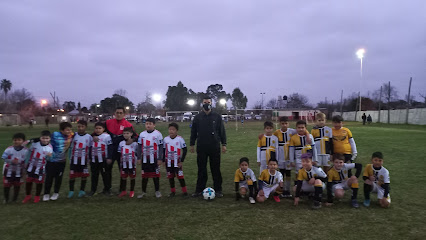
x: 191, y: 102
x: 262, y: 100
x: 43, y: 102
x: 360, y: 55
x: 222, y: 101
x: 127, y: 108
x: 156, y: 97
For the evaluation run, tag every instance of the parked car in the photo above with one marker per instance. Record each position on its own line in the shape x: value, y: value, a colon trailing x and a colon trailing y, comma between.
x: 258, y: 117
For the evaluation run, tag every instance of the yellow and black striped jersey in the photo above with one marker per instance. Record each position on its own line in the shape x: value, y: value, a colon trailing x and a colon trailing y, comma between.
x: 304, y: 175
x: 341, y: 140
x: 381, y: 176
x: 334, y: 175
x: 299, y: 145
x: 269, y: 179
x: 284, y: 142
x: 323, y: 138
x: 244, y: 176
x: 265, y: 146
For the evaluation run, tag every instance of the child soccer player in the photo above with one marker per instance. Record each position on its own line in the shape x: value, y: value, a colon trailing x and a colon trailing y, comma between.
x: 323, y: 138
x: 376, y: 180
x: 267, y: 146
x: 299, y: 144
x: 270, y: 181
x: 80, y: 149
x: 284, y: 134
x: 245, y: 180
x: 174, y: 154
x: 56, y: 164
x: 101, y: 155
x: 36, y: 162
x: 13, y: 168
x: 343, y: 141
x: 150, y: 155
x: 310, y: 180
x: 338, y: 180
x: 127, y: 149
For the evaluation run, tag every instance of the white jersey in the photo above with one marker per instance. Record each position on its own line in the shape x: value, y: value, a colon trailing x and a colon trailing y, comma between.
x: 100, y: 148
x: 128, y: 154
x: 80, y: 149
x: 38, y: 157
x: 322, y: 137
x: 150, y: 144
x: 11, y: 154
x: 173, y: 149
x: 284, y: 143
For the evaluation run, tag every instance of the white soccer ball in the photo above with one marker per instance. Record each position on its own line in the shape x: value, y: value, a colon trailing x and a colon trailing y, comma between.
x: 209, y: 193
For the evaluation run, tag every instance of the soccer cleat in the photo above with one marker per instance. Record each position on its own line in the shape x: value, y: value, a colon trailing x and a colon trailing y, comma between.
x: 355, y: 203
x: 70, y: 194
x: 277, y: 198
x: 54, y: 197
x: 46, y: 197
x: 36, y: 199
x: 81, y: 194
x: 219, y: 194
x: 26, y: 199
x: 131, y: 194
x: 91, y: 194
x: 172, y: 194
x: 366, y: 202
x: 142, y: 195
x: 252, y: 201
x: 122, y: 194
x: 316, y: 205
x: 158, y: 194
x: 197, y: 194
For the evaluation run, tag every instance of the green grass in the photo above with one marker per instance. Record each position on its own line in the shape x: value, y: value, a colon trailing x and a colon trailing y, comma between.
x: 102, y: 217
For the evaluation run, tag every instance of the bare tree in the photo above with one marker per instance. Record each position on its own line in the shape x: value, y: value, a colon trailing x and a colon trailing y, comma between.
x: 121, y: 92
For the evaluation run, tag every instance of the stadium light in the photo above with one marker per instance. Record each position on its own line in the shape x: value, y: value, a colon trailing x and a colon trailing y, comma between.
x: 191, y: 102
x: 98, y: 105
x: 222, y: 101
x: 127, y: 108
x: 43, y: 102
x: 360, y: 54
x: 156, y: 97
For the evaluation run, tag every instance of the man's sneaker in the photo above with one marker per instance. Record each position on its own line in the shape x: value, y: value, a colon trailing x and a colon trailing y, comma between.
x: 172, y: 194
x: 355, y: 203
x: 46, y: 197
x: 366, y: 202
x: 70, y: 194
x: 26, y: 199
x: 54, y: 196
x: 277, y: 198
x: 316, y: 205
x: 252, y: 201
x: 122, y: 194
x: 141, y: 195
x: 197, y: 194
x: 219, y: 194
x: 36, y: 199
x: 91, y: 194
x: 131, y: 194
x: 81, y: 194
x: 157, y: 194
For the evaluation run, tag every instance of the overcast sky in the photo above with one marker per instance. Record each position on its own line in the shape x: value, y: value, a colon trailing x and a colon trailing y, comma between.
x: 84, y: 50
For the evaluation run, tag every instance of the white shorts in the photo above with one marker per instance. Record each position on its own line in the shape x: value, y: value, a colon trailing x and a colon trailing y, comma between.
x: 268, y: 190
x: 285, y: 164
x: 306, y: 187
x: 380, y: 192
x: 343, y: 185
x: 323, y: 160
x: 243, y: 184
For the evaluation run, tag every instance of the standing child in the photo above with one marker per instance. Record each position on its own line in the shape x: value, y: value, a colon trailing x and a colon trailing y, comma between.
x: 270, y: 181
x: 300, y: 144
x: 36, y: 160
x: 13, y: 168
x: 376, y: 180
x: 323, y: 138
x: 267, y: 146
x: 174, y: 154
x: 310, y: 179
x: 343, y: 141
x: 284, y: 135
x: 101, y: 156
x: 80, y: 149
x: 338, y: 180
x: 55, y: 166
x: 128, y: 150
x: 150, y: 152
x: 245, y: 180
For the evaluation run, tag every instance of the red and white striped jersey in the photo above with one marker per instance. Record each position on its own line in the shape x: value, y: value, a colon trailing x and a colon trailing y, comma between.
x: 150, y: 143
x: 128, y: 154
x: 38, y: 156
x: 11, y: 154
x: 173, y: 149
x: 80, y: 149
x: 100, y: 148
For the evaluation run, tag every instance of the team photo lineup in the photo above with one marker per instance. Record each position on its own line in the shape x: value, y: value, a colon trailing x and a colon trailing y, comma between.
x: 319, y: 165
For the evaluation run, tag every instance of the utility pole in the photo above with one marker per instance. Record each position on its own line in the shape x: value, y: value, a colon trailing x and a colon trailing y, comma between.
x: 389, y: 96
x: 380, y: 103
x: 341, y: 103
x: 408, y: 101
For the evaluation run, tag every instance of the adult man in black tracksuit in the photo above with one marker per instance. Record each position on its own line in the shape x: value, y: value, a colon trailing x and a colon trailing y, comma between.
x: 209, y: 132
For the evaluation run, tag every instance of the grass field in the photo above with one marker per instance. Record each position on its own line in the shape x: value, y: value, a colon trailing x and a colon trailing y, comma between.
x: 101, y: 217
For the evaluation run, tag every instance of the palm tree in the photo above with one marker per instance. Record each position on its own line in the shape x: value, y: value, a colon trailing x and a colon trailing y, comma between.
x: 5, y: 85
